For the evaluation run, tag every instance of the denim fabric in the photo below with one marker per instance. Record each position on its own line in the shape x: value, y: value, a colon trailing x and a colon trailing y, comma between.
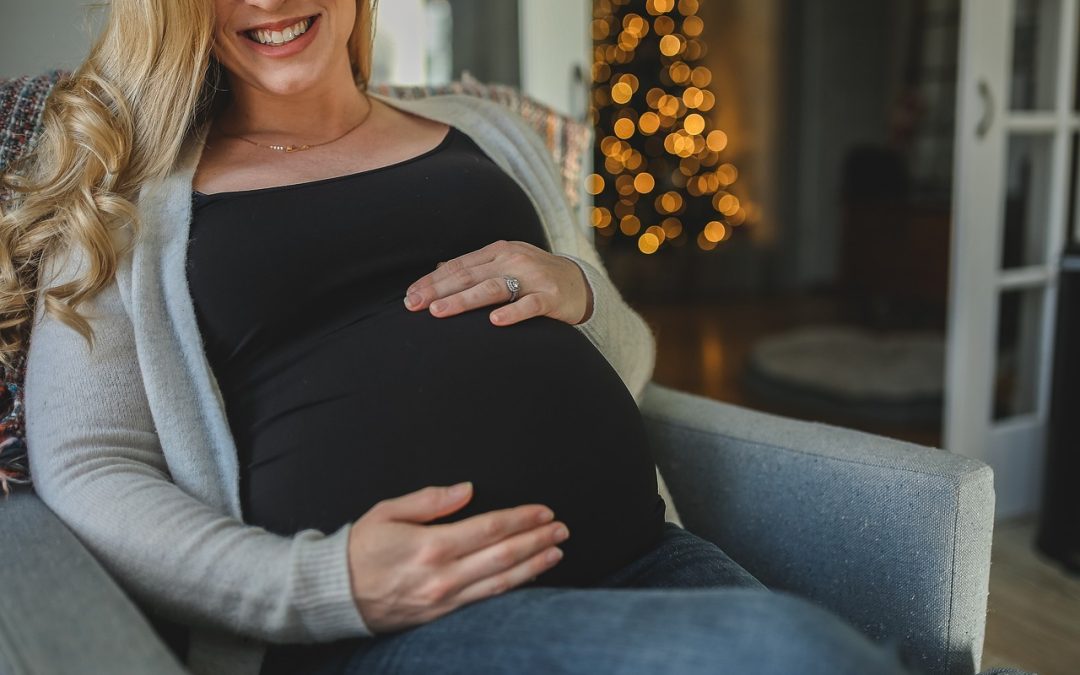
x: 685, y: 607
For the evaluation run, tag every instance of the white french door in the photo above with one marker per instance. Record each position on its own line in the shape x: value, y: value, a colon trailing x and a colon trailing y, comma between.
x: 1014, y: 194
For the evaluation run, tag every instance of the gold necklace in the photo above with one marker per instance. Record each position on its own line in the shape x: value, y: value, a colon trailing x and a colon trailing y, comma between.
x: 305, y: 146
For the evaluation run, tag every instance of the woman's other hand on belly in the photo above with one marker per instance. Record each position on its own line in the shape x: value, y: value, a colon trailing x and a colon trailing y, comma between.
x: 404, y: 573
x: 551, y: 285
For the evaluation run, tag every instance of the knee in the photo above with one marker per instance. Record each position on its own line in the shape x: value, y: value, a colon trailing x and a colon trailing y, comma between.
x: 778, y: 632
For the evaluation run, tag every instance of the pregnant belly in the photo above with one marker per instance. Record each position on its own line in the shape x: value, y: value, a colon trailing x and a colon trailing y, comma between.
x: 394, y: 401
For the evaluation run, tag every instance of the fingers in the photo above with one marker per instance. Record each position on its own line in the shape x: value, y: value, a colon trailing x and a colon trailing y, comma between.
x: 474, y: 533
x: 520, y: 574
x: 425, y: 504
x: 473, y: 258
x: 525, y: 307
x: 465, y: 289
x: 504, y: 565
x: 403, y: 575
x: 472, y: 269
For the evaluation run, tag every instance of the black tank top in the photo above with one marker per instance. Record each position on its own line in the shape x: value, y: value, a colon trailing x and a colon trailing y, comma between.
x: 339, y: 397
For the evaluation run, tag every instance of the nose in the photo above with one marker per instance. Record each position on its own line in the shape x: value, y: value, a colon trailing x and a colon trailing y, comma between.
x: 266, y: 5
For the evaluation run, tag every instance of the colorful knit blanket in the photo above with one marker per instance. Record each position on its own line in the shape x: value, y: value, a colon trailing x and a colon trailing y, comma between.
x: 21, y: 103
x: 23, y: 99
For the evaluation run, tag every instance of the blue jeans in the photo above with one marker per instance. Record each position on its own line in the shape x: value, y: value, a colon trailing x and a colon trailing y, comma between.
x: 685, y: 607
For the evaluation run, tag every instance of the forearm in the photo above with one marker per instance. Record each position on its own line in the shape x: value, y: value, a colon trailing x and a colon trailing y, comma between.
x: 97, y: 463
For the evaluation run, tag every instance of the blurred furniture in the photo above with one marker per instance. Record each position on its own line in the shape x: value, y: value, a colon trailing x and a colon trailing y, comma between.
x: 894, y: 254
x: 1059, y: 528
x: 892, y: 536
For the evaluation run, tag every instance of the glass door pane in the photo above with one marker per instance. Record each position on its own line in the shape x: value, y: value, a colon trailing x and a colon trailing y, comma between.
x: 1035, y: 53
x: 1028, y: 167
x: 1020, y: 325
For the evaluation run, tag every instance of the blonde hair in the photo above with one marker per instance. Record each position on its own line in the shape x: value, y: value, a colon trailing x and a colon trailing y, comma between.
x: 119, y: 120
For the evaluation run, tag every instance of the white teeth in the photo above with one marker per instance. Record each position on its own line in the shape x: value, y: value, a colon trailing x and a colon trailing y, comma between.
x: 277, y: 38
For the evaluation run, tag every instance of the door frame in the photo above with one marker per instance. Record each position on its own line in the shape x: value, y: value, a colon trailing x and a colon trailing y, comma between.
x: 1014, y: 447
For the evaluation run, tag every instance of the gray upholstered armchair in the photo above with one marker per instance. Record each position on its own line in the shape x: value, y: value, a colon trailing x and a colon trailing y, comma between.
x: 893, y: 536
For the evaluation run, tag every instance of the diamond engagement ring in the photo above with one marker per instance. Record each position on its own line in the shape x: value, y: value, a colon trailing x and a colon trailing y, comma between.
x: 512, y: 284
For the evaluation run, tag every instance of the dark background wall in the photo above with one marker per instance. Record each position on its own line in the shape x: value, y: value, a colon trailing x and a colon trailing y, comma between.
x: 486, y: 40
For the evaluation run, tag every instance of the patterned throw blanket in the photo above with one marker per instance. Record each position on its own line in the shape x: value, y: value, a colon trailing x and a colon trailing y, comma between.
x: 23, y: 99
x: 21, y: 103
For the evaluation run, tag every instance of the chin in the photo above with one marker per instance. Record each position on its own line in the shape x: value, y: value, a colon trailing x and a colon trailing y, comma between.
x: 287, y: 84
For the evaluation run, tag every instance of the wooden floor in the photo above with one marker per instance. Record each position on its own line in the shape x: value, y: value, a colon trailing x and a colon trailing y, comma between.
x: 1034, y: 617
x: 1033, y: 620
x: 701, y: 348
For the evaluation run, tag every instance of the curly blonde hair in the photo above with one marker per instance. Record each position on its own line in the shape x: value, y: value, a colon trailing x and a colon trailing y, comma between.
x: 118, y: 121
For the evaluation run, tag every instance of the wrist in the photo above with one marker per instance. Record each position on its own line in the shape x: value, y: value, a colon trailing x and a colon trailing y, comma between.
x: 588, y: 296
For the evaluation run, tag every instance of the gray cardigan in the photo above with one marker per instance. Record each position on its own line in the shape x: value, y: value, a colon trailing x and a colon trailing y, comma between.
x: 129, y: 442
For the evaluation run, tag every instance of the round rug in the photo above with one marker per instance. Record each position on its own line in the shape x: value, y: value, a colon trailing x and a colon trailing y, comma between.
x: 894, y: 377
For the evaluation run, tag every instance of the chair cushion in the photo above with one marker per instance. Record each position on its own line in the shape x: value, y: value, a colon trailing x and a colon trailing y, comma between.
x: 23, y: 99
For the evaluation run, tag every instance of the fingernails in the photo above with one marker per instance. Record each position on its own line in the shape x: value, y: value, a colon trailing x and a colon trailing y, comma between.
x: 412, y: 299
x: 461, y: 489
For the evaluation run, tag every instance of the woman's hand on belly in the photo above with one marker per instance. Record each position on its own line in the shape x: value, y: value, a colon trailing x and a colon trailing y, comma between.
x: 404, y: 573
x: 551, y: 285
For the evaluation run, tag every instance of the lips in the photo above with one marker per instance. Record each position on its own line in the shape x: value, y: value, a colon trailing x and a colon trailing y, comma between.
x: 276, y: 37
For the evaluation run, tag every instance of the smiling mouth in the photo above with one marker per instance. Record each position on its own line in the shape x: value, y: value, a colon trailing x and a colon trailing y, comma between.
x: 284, y: 36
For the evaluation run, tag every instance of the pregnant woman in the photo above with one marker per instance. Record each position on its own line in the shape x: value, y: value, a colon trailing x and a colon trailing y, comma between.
x: 313, y: 310
x: 330, y: 357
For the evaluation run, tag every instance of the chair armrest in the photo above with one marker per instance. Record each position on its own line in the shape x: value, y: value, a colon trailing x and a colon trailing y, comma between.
x: 60, y: 611
x: 893, y: 536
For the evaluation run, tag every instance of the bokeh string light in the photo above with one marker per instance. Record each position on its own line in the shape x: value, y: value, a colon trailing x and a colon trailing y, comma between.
x: 662, y: 178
